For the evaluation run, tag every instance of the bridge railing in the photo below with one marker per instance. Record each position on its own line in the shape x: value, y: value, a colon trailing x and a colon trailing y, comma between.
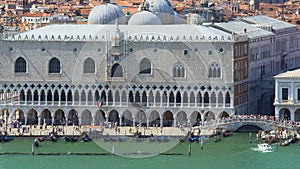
x: 217, y: 123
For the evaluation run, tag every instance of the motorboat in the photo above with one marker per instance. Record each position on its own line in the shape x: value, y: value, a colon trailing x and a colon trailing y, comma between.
x: 36, y: 142
x: 264, y: 147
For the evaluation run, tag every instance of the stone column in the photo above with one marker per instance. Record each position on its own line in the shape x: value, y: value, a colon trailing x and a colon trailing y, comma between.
x: 174, y: 121
x: 147, y: 122
x: 161, y: 99
x: 147, y: 94
x: 217, y: 100
x: 231, y: 100
x: 292, y: 115
x: 32, y: 97
x: 276, y: 91
x: 189, y: 99
x: 181, y: 103
x: 59, y: 98
x: 161, y: 121
x: 39, y: 119
x: 79, y: 99
x: 25, y: 120
x: 120, y: 120
x: 52, y: 120
x: 224, y: 99
x: 209, y: 99
x: 73, y: 98
x: 52, y: 98
x: 133, y: 122
x: 168, y: 99
x: 114, y: 99
x: 292, y: 93
x: 39, y: 101
x: 189, y: 121
x: 25, y: 95
x: 94, y: 99
x: 202, y: 100
x: 93, y: 120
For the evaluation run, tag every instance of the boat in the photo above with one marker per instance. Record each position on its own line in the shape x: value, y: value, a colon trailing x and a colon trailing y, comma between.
x: 36, y: 142
x: 74, y: 138
x: 264, y: 147
x: 86, y: 138
x: 122, y: 138
x: 217, y: 138
x: 194, y: 138
x: 227, y: 133
x: 41, y: 139
x: 8, y: 138
x: 152, y: 138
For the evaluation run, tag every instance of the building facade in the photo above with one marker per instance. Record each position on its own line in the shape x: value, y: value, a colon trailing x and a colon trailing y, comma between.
x: 166, y: 77
x: 287, y: 95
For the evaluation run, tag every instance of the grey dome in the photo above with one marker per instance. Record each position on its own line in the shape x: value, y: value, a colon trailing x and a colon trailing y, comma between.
x: 160, y: 6
x: 105, y: 14
x: 144, y: 18
x: 163, y: 9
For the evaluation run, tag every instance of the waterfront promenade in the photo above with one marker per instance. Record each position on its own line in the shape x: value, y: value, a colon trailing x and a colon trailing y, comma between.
x: 206, y: 128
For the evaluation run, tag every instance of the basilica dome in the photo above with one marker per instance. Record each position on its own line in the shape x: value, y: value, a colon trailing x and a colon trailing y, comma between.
x: 144, y: 18
x: 105, y: 14
x: 160, y: 6
x: 163, y: 9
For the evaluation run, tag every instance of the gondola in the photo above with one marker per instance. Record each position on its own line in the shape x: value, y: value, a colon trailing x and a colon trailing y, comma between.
x: 86, y: 138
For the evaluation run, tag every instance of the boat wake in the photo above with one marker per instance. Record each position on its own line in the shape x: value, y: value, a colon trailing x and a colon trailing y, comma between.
x: 259, y: 150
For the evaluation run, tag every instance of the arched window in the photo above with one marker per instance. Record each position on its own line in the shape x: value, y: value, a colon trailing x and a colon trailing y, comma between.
x: 20, y: 65
x: 178, y: 70
x: 214, y: 71
x: 54, y: 66
x: 116, y: 70
x: 145, y: 66
x: 89, y: 66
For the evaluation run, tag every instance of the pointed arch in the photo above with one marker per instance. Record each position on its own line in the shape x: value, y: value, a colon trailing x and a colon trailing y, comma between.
x: 141, y: 118
x: 86, y: 118
x: 154, y: 119
x: 127, y: 118
x: 90, y: 97
x: 54, y: 66
x: 117, y: 97
x: 206, y: 98
x: 20, y: 65
x: 116, y: 70
x: 145, y: 66
x: 113, y: 117
x: 209, y: 116
x: 213, y: 99
x: 181, y: 119
x: 83, y: 97
x: 32, y: 117
x: 99, y: 118
x: 195, y: 119
x: 168, y: 119
x: 178, y: 70
x: 227, y: 98
x: 89, y: 66
x: 220, y: 100
x: 214, y: 70
x: 46, y: 117
x: 59, y: 117
x: 73, y: 117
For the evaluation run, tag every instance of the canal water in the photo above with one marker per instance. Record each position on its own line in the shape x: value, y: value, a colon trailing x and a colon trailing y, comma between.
x: 229, y: 153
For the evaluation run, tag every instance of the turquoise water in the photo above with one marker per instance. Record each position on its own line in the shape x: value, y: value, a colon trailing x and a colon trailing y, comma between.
x: 232, y: 152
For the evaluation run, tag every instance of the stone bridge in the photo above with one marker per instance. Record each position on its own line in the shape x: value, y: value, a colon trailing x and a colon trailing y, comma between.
x: 245, y: 124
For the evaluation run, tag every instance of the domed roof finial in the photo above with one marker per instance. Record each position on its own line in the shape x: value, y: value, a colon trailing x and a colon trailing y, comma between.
x: 144, y: 6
